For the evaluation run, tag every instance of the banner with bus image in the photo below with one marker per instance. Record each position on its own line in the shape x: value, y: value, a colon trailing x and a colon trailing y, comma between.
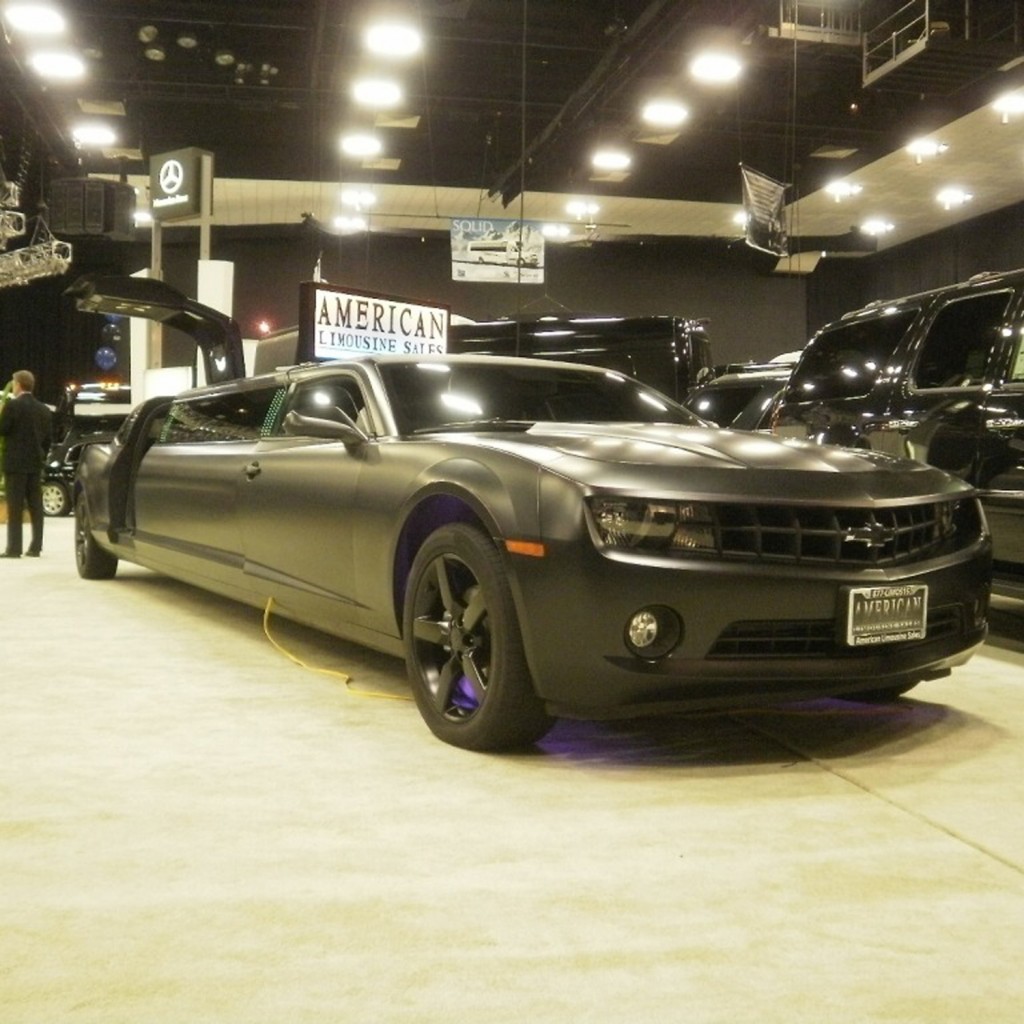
x: 507, y: 251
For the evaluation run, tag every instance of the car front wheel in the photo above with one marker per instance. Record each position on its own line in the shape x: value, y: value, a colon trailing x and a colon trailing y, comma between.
x: 93, y: 562
x: 56, y: 500
x: 464, y: 650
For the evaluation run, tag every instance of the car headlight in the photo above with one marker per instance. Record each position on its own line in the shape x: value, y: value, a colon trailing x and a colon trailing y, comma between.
x: 654, y: 525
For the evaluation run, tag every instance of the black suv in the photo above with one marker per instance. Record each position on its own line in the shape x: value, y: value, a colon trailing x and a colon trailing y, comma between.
x: 937, y: 376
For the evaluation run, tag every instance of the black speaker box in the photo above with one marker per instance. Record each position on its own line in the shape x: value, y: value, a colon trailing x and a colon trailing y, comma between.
x: 91, y: 206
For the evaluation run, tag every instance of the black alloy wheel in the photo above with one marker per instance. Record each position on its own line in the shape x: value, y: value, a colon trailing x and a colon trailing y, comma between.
x: 92, y: 561
x: 464, y: 650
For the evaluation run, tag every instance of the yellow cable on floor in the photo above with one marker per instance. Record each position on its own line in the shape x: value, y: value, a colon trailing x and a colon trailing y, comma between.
x: 343, y: 676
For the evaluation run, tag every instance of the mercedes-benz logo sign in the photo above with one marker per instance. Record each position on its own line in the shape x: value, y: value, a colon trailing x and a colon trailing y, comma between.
x: 172, y: 175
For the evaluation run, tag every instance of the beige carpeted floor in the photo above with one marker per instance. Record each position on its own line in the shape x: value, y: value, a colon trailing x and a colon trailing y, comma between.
x: 196, y: 830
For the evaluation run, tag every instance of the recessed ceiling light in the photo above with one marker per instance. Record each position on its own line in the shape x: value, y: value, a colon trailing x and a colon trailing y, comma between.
x: 715, y: 67
x: 359, y: 145
x: 35, y: 19
x: 353, y: 224
x: 393, y: 39
x: 877, y: 226
x: 1009, y: 103
x: 953, y: 196
x: 376, y: 92
x: 224, y: 58
x: 359, y: 198
x: 154, y: 51
x: 58, y: 66
x: 840, y: 190
x: 664, y: 113
x: 147, y: 33
x: 187, y: 39
x: 920, y: 148
x: 611, y: 160
x: 581, y: 208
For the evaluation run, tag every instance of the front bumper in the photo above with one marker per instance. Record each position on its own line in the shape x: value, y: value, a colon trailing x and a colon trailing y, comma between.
x: 575, y: 603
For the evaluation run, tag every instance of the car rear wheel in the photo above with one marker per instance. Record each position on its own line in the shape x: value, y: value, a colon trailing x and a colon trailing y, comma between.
x: 464, y: 650
x: 93, y: 562
x: 56, y: 500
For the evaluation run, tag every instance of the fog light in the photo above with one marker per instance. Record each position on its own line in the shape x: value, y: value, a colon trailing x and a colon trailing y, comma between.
x: 653, y: 631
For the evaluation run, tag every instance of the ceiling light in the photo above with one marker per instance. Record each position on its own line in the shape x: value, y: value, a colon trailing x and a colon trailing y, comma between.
x: 740, y: 218
x: 95, y: 134
x: 63, y: 66
x: 715, y: 67
x: 352, y: 224
x: 581, y: 208
x: 840, y: 190
x: 359, y: 198
x: 359, y: 145
x: 376, y: 92
x: 665, y: 113
x: 555, y: 231
x: 393, y: 39
x: 877, y: 226
x: 154, y: 51
x: 920, y: 148
x: 143, y: 217
x: 611, y: 160
x: 950, y: 197
x: 1009, y: 103
x: 148, y: 33
x: 224, y: 58
x: 35, y: 19
x: 188, y: 40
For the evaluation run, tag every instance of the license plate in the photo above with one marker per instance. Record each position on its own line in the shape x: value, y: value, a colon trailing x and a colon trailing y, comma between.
x: 886, y: 615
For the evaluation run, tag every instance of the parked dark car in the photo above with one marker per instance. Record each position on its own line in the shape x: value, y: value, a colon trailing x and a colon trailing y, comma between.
x: 741, y: 399
x: 85, y: 413
x: 540, y: 539
x: 937, y: 377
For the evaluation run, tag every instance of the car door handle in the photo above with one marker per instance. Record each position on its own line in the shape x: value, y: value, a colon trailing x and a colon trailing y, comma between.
x: 253, y: 470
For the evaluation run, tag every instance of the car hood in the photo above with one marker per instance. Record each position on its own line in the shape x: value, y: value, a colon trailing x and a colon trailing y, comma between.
x: 727, y: 463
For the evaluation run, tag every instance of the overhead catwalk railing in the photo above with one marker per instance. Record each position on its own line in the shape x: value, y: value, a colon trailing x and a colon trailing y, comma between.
x: 939, y: 47
x: 818, y: 23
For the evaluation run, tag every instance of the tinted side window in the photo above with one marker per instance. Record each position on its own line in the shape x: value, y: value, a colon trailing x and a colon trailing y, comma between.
x: 844, y: 361
x: 961, y: 341
x: 229, y: 416
x: 1017, y: 364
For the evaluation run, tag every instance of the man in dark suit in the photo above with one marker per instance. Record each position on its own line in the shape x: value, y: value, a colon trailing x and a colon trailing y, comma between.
x: 26, y: 425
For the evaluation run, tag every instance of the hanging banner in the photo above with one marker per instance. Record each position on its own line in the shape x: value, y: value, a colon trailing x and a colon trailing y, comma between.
x: 762, y: 204
x: 509, y: 251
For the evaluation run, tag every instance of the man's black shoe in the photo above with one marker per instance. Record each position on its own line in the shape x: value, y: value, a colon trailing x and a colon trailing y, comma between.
x: 33, y: 554
x: 7, y: 554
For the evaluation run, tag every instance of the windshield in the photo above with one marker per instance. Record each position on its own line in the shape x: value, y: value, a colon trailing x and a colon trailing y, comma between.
x: 437, y: 395
x: 844, y: 361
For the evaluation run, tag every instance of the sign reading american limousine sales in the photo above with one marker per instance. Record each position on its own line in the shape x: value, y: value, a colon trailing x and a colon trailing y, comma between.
x: 337, y: 322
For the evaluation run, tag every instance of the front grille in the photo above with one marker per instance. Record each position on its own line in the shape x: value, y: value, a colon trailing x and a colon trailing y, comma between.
x: 875, y: 536
x: 812, y: 638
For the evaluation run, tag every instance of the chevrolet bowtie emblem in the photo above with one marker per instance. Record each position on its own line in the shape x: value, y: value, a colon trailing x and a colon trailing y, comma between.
x: 872, y: 535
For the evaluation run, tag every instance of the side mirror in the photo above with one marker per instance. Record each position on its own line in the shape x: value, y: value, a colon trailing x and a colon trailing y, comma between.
x: 341, y: 429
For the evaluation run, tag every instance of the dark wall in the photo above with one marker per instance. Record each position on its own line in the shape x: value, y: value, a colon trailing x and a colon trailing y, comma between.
x: 753, y: 315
